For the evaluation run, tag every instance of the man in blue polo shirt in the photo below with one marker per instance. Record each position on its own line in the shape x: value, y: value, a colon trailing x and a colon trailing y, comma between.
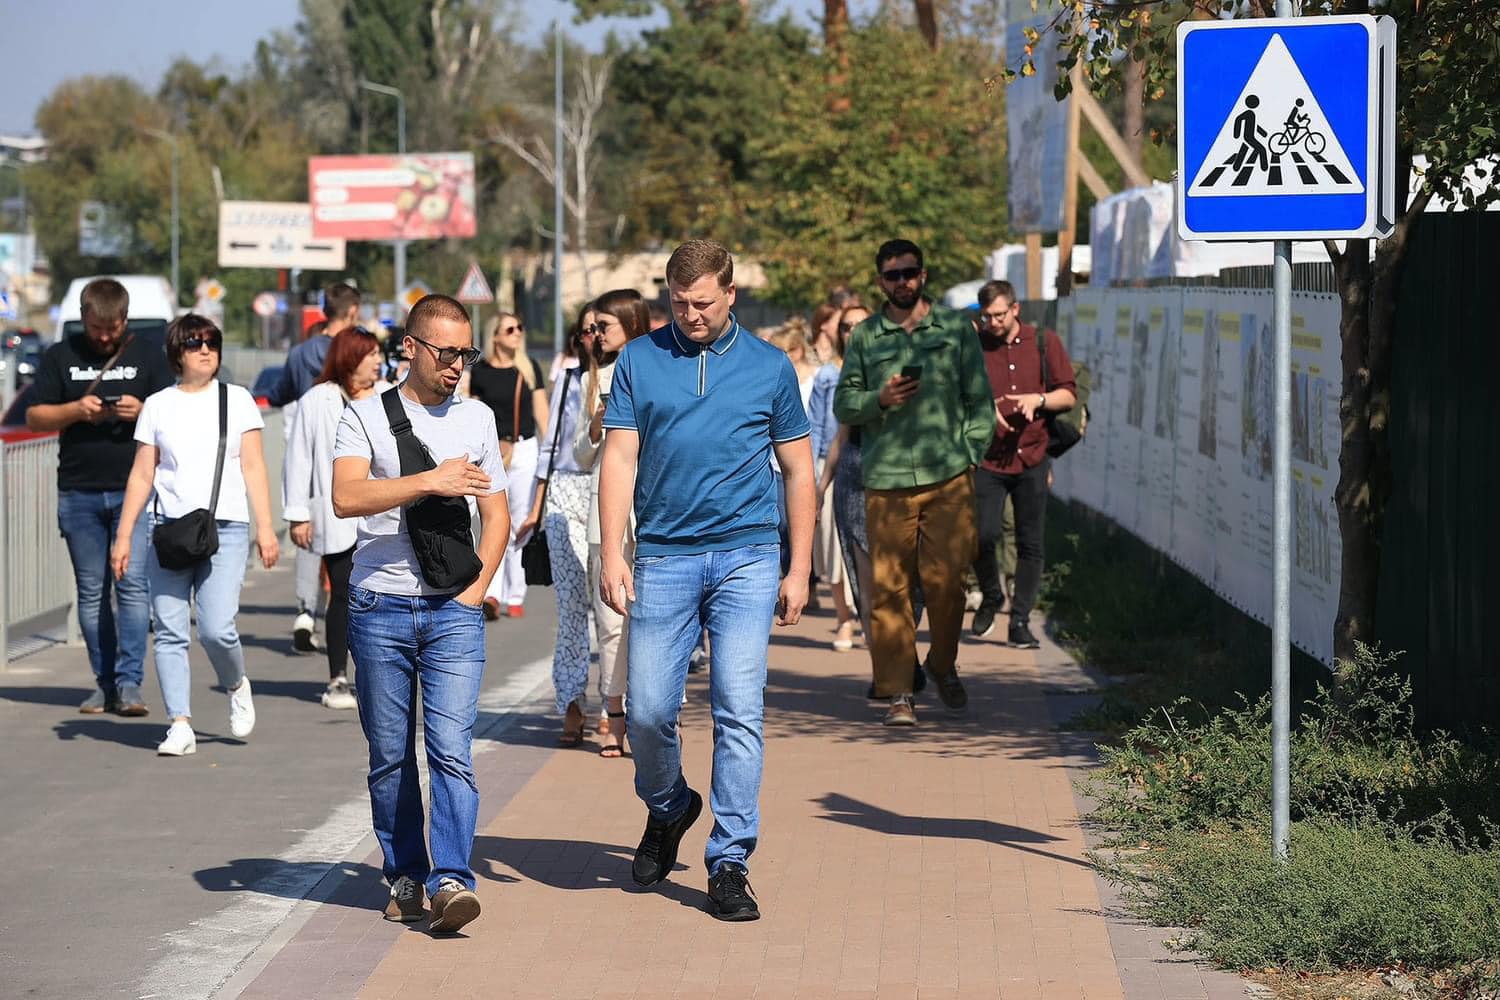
x: 695, y: 411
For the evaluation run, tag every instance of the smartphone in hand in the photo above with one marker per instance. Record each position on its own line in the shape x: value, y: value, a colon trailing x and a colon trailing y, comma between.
x: 110, y: 402
x: 912, y: 372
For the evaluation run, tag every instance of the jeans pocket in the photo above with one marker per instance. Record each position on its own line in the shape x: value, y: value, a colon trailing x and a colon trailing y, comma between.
x: 362, y: 600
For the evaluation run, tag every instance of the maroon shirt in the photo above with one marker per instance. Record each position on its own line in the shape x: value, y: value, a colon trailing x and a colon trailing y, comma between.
x: 1015, y: 368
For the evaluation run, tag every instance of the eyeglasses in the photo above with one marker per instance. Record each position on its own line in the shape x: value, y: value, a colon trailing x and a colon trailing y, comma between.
x: 596, y: 329
x: 447, y: 355
x: 193, y: 344
x: 518, y: 328
x: 897, y: 275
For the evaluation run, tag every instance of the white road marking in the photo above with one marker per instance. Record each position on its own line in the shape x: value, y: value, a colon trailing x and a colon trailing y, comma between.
x: 202, y: 957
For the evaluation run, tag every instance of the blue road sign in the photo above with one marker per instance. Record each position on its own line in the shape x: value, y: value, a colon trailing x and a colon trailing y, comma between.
x: 1280, y: 126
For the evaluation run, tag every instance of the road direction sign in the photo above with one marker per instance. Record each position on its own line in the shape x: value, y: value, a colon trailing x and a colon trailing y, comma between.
x: 275, y: 234
x: 1286, y: 128
x: 265, y: 304
x: 475, y: 290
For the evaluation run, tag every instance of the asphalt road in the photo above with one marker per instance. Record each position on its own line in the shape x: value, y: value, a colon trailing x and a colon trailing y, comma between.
x: 126, y: 873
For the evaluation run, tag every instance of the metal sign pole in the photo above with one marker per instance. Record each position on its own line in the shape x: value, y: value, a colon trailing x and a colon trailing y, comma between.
x: 1281, y: 544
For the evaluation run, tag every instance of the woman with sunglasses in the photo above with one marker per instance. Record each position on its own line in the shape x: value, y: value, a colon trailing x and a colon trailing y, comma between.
x: 562, y: 507
x: 828, y: 554
x: 620, y: 316
x: 351, y: 370
x: 177, y: 443
x: 510, y: 383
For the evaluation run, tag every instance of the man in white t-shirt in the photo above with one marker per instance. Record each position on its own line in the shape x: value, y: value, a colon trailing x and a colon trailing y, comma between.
x: 403, y: 630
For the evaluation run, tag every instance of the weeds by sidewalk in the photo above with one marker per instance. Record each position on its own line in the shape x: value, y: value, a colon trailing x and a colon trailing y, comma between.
x: 1394, y: 869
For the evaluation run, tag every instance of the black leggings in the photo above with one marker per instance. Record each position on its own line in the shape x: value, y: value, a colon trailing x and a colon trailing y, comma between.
x: 336, y: 622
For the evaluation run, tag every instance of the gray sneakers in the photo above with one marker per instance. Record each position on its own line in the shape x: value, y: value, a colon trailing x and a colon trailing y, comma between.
x: 97, y: 703
x: 129, y: 701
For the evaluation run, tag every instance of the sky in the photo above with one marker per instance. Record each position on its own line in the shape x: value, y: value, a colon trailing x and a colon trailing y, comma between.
x: 48, y: 41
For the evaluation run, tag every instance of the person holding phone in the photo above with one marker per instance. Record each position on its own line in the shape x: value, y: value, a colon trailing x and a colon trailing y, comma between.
x: 89, y: 386
x: 914, y: 384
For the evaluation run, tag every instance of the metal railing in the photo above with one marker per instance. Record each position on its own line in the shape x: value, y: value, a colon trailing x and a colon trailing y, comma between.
x: 36, y: 576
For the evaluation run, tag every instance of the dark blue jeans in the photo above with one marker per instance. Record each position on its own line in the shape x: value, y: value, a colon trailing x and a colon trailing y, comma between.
x: 114, y: 636
x: 397, y: 641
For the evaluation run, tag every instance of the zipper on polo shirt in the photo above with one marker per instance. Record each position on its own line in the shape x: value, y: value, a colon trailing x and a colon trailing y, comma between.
x: 702, y: 370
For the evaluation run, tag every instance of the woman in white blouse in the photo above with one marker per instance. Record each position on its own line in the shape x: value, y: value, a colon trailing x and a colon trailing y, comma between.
x: 350, y: 371
x: 177, y: 443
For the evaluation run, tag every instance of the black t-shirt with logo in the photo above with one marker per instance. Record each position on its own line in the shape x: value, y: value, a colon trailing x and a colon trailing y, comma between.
x: 98, y: 456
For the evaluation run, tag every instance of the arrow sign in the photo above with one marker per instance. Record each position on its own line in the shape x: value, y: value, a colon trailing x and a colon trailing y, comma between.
x: 475, y: 290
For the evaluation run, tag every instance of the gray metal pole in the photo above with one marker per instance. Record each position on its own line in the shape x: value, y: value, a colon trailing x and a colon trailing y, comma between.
x: 176, y: 236
x: 558, y: 336
x: 400, y: 262
x: 1281, y: 544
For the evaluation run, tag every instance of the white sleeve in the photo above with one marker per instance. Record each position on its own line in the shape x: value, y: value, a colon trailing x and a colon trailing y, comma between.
x: 243, y: 413
x: 145, y: 421
x: 296, y: 467
x: 585, y: 451
x: 351, y: 440
x: 490, y: 460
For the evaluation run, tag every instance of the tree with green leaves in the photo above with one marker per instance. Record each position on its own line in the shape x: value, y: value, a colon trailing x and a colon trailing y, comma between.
x: 1448, y: 112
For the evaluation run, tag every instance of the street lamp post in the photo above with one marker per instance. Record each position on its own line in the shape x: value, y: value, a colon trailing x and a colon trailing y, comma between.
x: 171, y: 139
x: 380, y: 88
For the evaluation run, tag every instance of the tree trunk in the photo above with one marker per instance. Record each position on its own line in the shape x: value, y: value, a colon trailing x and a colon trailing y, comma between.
x: 1134, y: 93
x: 1369, y: 292
x: 835, y: 33
x: 927, y: 22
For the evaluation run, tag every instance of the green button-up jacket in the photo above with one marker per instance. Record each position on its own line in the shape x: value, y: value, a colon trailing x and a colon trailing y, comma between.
x: 938, y: 433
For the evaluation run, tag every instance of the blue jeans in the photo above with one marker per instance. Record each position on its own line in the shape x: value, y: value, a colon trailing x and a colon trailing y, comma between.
x: 214, y: 586
x: 115, y: 639
x: 732, y: 595
x: 397, y: 641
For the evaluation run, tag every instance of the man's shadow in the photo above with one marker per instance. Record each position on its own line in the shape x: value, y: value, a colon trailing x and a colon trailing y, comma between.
x: 573, y: 865
x: 141, y: 734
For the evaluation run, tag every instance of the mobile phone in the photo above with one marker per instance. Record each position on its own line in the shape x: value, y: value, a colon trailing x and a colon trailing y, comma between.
x: 781, y: 607
x: 110, y: 400
x: 912, y: 372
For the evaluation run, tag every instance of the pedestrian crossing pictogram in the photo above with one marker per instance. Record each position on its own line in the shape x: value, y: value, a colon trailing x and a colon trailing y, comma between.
x: 1276, y: 139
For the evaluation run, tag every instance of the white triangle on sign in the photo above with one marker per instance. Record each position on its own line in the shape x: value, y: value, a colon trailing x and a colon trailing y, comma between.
x: 474, y: 288
x: 1283, y: 158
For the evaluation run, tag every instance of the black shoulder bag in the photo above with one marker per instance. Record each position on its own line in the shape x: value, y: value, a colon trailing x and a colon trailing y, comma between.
x: 438, y: 526
x: 1064, y: 430
x: 194, y: 537
x: 536, y: 559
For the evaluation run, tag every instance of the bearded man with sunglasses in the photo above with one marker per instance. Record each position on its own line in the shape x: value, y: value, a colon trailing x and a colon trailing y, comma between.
x: 403, y: 630
x: 914, y: 383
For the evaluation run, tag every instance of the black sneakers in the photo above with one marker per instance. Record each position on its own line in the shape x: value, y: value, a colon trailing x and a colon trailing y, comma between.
x: 730, y: 896
x: 951, y: 691
x: 1021, y: 638
x: 657, y: 853
x: 984, y: 620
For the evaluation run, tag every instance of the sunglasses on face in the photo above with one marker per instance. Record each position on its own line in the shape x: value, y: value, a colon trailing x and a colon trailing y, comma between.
x: 896, y: 275
x: 598, y: 329
x: 447, y: 355
x: 193, y: 344
x: 518, y: 328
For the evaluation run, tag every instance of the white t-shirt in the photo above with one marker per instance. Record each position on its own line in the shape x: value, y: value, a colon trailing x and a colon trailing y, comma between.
x: 183, y: 427
x: 383, y: 558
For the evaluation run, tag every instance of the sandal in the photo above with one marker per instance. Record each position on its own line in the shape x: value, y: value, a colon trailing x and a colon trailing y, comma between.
x: 572, y: 734
x: 616, y: 749
x: 844, y: 638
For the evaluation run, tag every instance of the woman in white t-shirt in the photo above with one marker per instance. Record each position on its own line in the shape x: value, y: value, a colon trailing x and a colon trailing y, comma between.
x: 177, y: 444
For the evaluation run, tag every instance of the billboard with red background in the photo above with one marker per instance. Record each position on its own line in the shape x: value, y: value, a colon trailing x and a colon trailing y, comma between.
x: 416, y: 196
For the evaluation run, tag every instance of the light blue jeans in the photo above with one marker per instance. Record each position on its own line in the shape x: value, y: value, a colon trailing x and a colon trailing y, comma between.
x: 733, y: 596
x: 397, y: 641
x: 214, y: 586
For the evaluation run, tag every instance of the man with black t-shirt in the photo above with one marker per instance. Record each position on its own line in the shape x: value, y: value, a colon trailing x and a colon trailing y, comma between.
x: 90, y: 386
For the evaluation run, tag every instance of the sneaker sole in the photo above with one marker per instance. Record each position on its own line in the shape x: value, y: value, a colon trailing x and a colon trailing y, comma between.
x: 736, y: 917
x: 1025, y: 645
x: 404, y: 918
x: 92, y: 711
x: 460, y: 911
x: 302, y: 641
x: 980, y: 635
x: 133, y: 711
x: 177, y: 753
x: 694, y: 810
x: 901, y: 722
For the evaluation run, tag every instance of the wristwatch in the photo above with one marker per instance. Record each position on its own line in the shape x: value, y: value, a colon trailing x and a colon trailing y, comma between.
x: 1041, y: 403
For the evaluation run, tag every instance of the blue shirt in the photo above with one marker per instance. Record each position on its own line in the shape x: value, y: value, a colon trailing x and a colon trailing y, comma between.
x: 562, y: 406
x: 707, y: 416
x: 825, y: 426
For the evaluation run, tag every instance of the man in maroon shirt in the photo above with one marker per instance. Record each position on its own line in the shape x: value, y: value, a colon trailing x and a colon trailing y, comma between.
x: 1016, y: 463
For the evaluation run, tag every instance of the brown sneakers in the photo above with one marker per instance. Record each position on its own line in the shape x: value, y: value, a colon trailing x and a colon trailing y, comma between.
x: 405, y: 906
x: 453, y: 905
x: 901, y: 712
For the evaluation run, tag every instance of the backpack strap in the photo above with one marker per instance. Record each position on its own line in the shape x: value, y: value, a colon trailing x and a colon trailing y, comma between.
x: 413, y: 454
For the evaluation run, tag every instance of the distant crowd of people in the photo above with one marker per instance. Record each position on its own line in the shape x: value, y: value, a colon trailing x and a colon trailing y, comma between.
x: 694, y: 482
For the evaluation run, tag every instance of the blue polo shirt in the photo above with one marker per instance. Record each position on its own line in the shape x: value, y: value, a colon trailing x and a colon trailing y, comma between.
x: 707, y: 416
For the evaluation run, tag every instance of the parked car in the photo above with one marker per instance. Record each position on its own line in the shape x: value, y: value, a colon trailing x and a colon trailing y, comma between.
x: 24, y: 347
x: 13, y: 421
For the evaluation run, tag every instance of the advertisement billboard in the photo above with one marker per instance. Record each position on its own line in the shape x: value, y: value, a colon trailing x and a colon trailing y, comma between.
x: 416, y: 196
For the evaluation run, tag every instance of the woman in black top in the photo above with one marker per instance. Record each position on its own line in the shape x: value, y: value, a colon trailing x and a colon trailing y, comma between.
x: 513, y: 387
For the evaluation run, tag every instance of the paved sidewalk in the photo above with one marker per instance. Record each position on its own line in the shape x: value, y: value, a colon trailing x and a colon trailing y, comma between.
x: 943, y: 861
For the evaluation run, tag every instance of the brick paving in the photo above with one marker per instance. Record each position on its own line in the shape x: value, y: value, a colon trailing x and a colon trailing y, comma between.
x: 946, y: 861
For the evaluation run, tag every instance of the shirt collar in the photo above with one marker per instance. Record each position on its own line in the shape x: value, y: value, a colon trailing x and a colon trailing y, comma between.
x: 724, y: 342
x: 888, y: 325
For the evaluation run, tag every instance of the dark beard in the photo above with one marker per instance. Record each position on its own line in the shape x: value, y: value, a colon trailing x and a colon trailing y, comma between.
x: 904, y: 300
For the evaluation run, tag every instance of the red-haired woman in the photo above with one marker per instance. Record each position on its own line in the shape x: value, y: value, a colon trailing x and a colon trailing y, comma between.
x: 350, y: 371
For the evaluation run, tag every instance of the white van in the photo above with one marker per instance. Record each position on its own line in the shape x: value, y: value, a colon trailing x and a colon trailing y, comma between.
x: 152, y: 305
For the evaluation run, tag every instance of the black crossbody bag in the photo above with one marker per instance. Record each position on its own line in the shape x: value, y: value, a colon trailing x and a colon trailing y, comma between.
x: 536, y: 558
x: 194, y: 537
x: 439, y: 526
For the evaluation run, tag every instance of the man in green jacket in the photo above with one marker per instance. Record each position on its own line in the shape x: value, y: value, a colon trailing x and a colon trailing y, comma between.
x: 914, y: 383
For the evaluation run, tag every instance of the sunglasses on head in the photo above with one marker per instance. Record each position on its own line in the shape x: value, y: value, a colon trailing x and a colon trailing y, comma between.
x: 198, y: 343
x: 896, y: 275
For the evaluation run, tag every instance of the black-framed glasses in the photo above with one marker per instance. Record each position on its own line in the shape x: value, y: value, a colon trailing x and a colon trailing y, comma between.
x: 194, y: 344
x: 447, y: 355
x: 896, y: 275
x: 517, y: 328
x: 597, y: 329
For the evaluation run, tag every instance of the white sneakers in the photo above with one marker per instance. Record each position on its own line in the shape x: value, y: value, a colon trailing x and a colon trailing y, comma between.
x: 241, y: 710
x: 338, y: 694
x: 180, y: 741
x: 304, y: 639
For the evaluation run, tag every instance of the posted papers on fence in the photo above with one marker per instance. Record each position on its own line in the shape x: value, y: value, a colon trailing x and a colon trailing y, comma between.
x: 1178, y: 449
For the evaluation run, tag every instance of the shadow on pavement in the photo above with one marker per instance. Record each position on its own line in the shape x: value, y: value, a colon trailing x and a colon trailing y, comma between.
x: 573, y: 864
x: 358, y: 886
x: 66, y: 696
x: 842, y: 809
x: 142, y: 734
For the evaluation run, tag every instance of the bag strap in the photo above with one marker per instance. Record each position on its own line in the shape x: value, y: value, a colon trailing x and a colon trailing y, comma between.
x: 413, y: 455
x: 515, y: 420
x: 213, y: 504
x: 562, y: 404
x: 1041, y: 343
